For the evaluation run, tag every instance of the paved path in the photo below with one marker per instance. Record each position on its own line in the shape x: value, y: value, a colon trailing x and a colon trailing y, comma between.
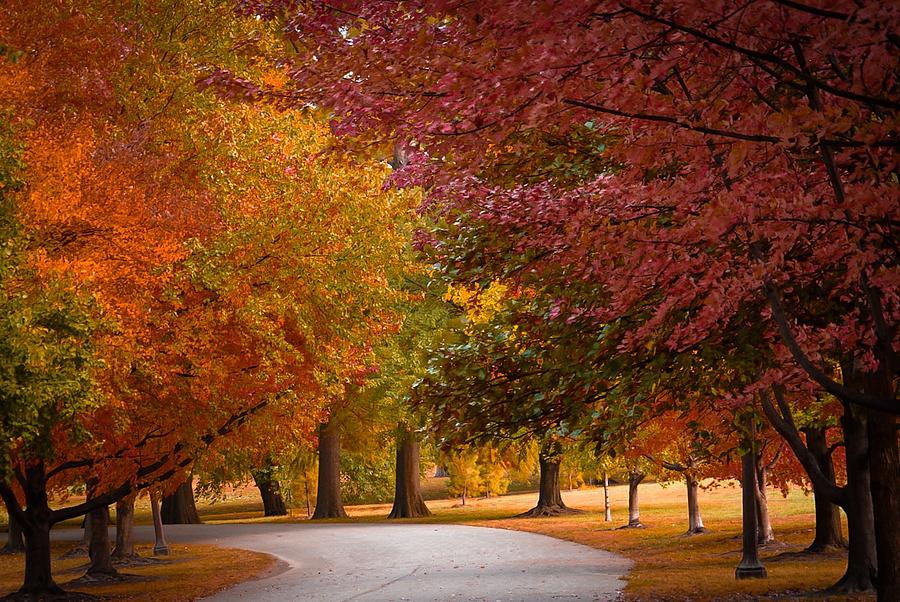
x: 374, y: 562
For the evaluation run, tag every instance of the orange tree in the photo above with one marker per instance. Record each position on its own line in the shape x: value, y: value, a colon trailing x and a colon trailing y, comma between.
x: 215, y: 264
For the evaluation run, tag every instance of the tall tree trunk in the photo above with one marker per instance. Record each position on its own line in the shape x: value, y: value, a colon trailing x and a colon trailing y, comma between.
x: 408, y: 501
x: 695, y: 521
x: 861, y: 559
x: 607, y: 510
x: 160, y: 547
x: 36, y: 525
x: 750, y: 566
x: 764, y: 532
x: 38, y: 578
x: 124, y: 529
x: 269, y: 490
x: 884, y: 463
x: 179, y: 508
x: 549, y: 497
x: 828, y: 515
x: 101, y: 559
x: 15, y: 542
x: 635, y: 477
x: 328, y: 494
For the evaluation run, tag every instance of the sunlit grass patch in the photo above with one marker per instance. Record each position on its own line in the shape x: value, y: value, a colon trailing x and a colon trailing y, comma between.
x: 671, y: 566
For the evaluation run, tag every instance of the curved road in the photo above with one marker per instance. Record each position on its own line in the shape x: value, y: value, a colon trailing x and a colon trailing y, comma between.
x: 365, y: 561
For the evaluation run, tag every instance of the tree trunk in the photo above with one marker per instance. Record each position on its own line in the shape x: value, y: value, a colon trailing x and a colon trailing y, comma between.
x: 549, y: 497
x: 306, y: 491
x: 884, y: 463
x: 124, y: 529
x: 861, y: 560
x: 269, y: 490
x: 408, y: 501
x: 750, y: 566
x: 607, y: 510
x: 38, y: 579
x: 160, y: 547
x: 828, y: 515
x: 328, y: 494
x: 695, y: 521
x: 179, y: 508
x: 634, y: 509
x: 15, y: 542
x: 764, y: 532
x: 99, y: 552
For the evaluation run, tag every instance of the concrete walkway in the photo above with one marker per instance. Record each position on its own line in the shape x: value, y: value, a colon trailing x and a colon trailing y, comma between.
x: 364, y: 561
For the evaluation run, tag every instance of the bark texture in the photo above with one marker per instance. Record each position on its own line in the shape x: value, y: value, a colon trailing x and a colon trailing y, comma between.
x: 15, y: 541
x: 829, y: 534
x: 408, y: 501
x: 750, y: 566
x: 160, y: 547
x: 328, y: 493
x: 634, y: 507
x: 607, y: 510
x: 854, y: 497
x: 269, y: 490
x: 861, y: 560
x: 884, y: 463
x: 549, y: 497
x: 695, y: 521
x: 36, y: 524
x: 179, y: 508
x: 124, y: 530
x: 765, y: 534
x: 101, y: 558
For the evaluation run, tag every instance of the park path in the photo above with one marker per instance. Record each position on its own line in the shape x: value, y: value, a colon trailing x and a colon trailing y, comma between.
x: 415, y: 562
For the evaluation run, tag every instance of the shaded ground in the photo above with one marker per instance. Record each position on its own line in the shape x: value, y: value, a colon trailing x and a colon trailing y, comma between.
x: 189, y: 573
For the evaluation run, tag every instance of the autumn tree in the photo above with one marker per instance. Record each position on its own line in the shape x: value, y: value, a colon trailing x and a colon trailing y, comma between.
x: 165, y: 235
x: 758, y: 147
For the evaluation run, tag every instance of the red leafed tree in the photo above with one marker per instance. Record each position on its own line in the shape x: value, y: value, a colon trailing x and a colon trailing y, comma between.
x: 756, y: 160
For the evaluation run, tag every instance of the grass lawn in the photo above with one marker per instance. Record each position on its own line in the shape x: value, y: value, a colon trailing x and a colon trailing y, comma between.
x: 188, y: 573
x: 667, y: 564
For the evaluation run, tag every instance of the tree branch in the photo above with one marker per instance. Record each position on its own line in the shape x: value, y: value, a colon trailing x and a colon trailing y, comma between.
x: 784, y: 424
x: 670, y: 120
x: 768, y: 57
x: 147, y: 472
x: 12, y: 504
x: 817, y: 375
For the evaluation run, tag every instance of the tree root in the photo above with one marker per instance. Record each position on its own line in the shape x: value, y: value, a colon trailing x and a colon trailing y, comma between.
x: 105, y: 578
x: 78, y: 551
x: 637, y: 525
x: 545, y: 511
x: 137, y: 560
x: 692, y: 532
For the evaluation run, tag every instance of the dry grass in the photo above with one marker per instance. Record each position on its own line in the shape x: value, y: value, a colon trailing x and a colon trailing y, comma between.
x: 668, y: 565
x: 190, y: 572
